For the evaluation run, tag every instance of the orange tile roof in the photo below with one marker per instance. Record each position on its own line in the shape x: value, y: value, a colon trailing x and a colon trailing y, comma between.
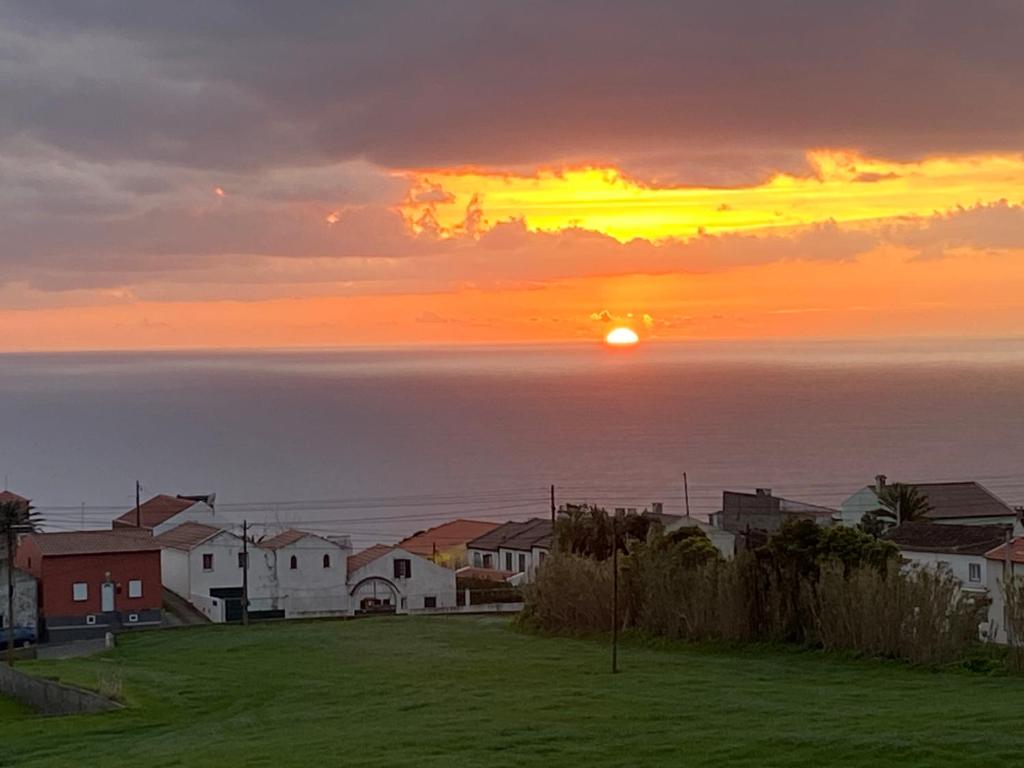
x: 155, y: 511
x: 92, y: 542
x: 283, y: 539
x: 7, y: 497
x: 367, y: 556
x: 445, y: 536
x: 187, y: 536
x: 1016, y: 551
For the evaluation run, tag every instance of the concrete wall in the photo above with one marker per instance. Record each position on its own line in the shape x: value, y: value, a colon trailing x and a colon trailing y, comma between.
x: 49, y: 697
x: 26, y: 610
x: 225, y: 548
x: 958, y: 565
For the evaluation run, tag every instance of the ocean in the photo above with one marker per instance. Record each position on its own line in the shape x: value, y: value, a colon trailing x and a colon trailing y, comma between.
x: 381, y: 443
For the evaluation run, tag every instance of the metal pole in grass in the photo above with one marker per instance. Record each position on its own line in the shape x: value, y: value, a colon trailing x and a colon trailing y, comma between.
x: 615, y: 593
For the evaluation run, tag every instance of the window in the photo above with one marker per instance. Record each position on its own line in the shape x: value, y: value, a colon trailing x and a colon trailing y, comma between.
x: 974, y: 571
x: 242, y: 557
x: 508, y: 561
x: 293, y: 564
x: 327, y: 561
x: 90, y: 620
x: 522, y: 563
x: 133, y: 618
x: 208, y: 562
x: 540, y: 557
x: 80, y: 592
x: 477, y: 560
x: 488, y: 561
x: 430, y: 602
x: 135, y: 588
x: 403, y: 568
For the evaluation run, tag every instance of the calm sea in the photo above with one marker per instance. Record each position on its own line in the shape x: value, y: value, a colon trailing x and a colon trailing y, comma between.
x: 381, y: 443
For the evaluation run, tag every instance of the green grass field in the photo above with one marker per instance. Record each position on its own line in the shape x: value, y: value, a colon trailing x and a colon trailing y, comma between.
x: 473, y: 691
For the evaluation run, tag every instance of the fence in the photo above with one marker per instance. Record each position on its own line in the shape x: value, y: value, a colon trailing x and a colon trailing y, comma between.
x: 50, y: 697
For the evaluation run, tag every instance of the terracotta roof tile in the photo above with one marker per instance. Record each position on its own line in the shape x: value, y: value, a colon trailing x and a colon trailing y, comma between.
x: 93, y: 542
x: 445, y: 536
x: 367, y: 556
x: 188, y: 536
x: 1016, y: 551
x: 283, y: 539
x: 948, y: 539
x: 155, y: 511
x: 490, y: 574
x: 7, y: 497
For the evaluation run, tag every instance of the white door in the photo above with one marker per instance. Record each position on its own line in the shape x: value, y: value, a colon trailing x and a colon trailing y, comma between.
x: 107, y: 597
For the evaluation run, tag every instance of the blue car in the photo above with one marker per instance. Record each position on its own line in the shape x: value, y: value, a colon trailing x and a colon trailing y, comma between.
x: 22, y: 636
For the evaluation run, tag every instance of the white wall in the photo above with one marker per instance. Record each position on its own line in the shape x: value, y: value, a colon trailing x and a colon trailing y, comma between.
x: 311, y: 589
x: 428, y: 579
x: 471, y: 558
x: 959, y: 566
x: 996, y: 618
x: 174, y: 571
x: 200, y: 512
x: 25, y: 599
x: 225, y: 548
x: 856, y: 505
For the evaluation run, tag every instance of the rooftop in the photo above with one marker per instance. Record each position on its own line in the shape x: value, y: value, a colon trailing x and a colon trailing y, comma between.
x: 188, y: 536
x: 963, y: 499
x: 440, y: 537
x: 156, y: 511
x: 93, y: 542
x: 514, y: 534
x: 490, y: 574
x: 948, y: 539
x: 1016, y: 551
x: 283, y: 539
x: 367, y: 556
x: 6, y: 497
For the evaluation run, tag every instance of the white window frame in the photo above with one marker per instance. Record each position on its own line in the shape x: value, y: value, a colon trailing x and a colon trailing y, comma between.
x: 80, y: 595
x: 135, y: 588
x: 972, y: 569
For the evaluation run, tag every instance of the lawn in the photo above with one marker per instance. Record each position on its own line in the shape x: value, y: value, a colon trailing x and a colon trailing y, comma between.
x: 473, y: 691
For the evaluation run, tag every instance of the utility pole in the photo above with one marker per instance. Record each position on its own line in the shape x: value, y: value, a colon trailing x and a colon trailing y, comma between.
x: 615, y: 593
x: 552, y: 507
x: 138, y: 505
x: 10, y: 594
x: 1007, y: 586
x: 686, y: 494
x: 245, y: 573
x: 899, y: 512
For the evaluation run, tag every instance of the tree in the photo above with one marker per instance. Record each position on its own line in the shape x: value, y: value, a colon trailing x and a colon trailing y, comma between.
x: 16, y: 517
x: 589, y: 531
x: 902, y: 503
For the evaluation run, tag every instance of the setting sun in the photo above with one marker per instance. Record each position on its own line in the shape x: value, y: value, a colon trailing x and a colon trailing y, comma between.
x: 622, y: 337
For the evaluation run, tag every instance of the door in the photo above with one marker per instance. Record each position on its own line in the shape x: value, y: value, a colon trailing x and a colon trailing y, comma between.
x: 107, y: 597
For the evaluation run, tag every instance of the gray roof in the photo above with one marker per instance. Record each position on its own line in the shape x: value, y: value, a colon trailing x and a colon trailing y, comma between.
x: 947, y: 538
x: 514, y: 534
x: 964, y: 499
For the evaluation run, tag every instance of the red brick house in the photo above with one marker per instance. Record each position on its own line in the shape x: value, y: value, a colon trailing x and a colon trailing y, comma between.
x: 93, y: 582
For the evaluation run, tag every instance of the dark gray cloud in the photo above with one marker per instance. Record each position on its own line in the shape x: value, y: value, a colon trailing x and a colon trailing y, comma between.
x: 235, y: 84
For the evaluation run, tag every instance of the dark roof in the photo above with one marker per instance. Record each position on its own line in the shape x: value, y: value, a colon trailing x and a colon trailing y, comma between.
x: 948, y: 539
x: 765, y: 503
x: 514, y: 534
x: 188, y: 536
x: 156, y: 511
x: 445, y: 536
x: 93, y: 542
x: 367, y: 556
x: 963, y: 499
x: 6, y: 497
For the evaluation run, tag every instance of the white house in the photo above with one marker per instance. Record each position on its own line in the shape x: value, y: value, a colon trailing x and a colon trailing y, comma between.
x: 1005, y: 564
x: 309, y: 574
x: 516, y: 546
x: 959, y: 503
x: 960, y: 549
x: 26, y: 607
x: 162, y: 513
x: 724, y: 541
x: 392, y: 579
x: 203, y: 565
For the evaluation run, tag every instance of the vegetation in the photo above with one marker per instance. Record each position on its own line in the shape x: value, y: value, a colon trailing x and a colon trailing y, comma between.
x: 903, y: 503
x: 442, y: 691
x: 589, y: 531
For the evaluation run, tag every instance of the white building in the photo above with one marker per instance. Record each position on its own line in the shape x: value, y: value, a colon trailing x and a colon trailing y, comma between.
x: 309, y: 574
x: 959, y: 503
x: 163, y: 513
x: 26, y: 602
x: 384, y: 578
x: 1005, y: 564
x: 516, y: 547
x: 724, y: 541
x: 959, y: 549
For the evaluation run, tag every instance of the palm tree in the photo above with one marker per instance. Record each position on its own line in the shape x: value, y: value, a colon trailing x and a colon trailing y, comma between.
x: 903, y: 503
x: 15, y: 517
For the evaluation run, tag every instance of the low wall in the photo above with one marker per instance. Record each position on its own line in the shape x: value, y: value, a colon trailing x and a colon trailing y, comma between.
x: 50, y: 697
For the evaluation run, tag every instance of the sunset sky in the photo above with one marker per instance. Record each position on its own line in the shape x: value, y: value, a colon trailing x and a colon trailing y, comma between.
x: 233, y: 174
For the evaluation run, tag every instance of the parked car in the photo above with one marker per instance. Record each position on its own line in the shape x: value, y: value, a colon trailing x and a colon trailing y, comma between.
x: 22, y: 636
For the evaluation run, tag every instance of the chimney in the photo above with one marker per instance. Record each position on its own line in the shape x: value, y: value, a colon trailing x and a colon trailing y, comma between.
x: 763, y: 491
x: 879, y: 483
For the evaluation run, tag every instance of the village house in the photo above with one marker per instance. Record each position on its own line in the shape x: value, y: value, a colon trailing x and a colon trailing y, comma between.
x: 957, y: 503
x: 1005, y: 564
x: 386, y: 578
x: 516, y: 546
x: 26, y: 610
x: 761, y: 513
x: 445, y: 544
x: 724, y: 541
x: 93, y: 582
x: 308, y: 573
x: 162, y: 513
x: 961, y: 549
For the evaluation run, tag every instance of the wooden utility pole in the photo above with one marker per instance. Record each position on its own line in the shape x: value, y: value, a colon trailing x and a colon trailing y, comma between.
x: 615, y: 593
x: 552, y: 507
x: 138, y: 505
x: 245, y: 573
x: 686, y: 495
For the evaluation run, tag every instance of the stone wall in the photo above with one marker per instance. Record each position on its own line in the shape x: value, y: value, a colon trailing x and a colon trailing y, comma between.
x: 50, y: 697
